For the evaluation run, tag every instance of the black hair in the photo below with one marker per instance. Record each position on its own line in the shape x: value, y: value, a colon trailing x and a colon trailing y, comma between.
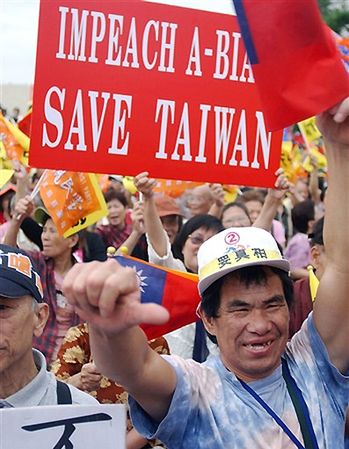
x: 112, y: 194
x: 45, y: 218
x: 301, y: 214
x: 206, y: 221
x: 6, y: 196
x: 316, y: 237
x: 253, y: 275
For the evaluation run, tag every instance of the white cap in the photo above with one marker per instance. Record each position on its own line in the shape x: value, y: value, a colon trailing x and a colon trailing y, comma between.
x: 235, y: 248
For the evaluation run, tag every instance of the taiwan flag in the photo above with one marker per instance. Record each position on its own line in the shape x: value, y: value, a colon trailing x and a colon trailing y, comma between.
x: 177, y: 291
x: 296, y: 64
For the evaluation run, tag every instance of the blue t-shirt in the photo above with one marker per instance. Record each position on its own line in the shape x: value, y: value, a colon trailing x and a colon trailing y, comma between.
x: 211, y: 410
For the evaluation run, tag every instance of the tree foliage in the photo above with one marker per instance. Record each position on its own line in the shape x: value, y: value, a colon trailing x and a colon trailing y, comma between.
x: 335, y: 14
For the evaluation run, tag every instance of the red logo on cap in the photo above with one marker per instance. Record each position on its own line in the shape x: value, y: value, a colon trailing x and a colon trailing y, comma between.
x: 232, y: 238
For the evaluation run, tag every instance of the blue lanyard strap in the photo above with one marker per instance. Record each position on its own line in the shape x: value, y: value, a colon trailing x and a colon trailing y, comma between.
x: 271, y: 412
x: 300, y: 407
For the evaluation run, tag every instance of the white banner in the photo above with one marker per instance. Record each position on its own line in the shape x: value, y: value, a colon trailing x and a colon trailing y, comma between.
x: 63, y: 426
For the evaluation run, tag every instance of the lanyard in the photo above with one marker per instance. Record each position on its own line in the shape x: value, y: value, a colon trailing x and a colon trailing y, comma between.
x: 300, y: 407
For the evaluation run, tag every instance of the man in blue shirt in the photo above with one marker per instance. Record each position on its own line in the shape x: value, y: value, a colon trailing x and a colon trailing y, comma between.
x: 261, y: 391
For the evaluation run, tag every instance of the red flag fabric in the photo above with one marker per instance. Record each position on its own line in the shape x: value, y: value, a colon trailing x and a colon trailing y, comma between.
x: 297, y: 67
x: 25, y: 123
x: 175, y: 290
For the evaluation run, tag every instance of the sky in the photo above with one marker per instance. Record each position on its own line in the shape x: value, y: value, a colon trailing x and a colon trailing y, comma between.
x: 19, y: 27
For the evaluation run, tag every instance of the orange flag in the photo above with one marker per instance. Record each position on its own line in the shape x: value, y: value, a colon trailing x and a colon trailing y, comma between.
x: 73, y: 200
x: 14, y: 150
x: 174, y: 188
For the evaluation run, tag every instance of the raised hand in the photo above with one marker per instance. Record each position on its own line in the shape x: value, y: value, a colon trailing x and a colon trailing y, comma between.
x: 137, y: 217
x: 334, y: 124
x: 107, y: 296
x: 144, y: 184
x: 23, y: 208
x: 217, y: 194
x: 281, y: 185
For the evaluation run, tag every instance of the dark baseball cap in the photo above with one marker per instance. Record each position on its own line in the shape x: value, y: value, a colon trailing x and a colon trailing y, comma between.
x: 18, y: 274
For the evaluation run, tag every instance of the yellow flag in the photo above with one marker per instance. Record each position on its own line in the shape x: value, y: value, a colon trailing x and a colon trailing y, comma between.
x: 231, y: 192
x: 313, y: 283
x: 318, y: 158
x: 5, y: 163
x: 286, y: 159
x: 309, y: 130
x: 21, y: 138
x: 129, y: 184
x: 5, y: 176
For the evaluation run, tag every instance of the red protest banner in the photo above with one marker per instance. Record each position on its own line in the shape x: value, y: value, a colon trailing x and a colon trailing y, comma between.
x: 136, y: 86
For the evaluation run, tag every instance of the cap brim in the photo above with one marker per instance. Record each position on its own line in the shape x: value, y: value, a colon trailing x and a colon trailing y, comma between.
x: 167, y: 213
x: 41, y: 215
x: 209, y: 280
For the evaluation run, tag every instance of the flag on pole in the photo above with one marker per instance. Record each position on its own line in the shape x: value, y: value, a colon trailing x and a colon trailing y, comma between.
x: 175, y: 290
x: 74, y: 201
x: 5, y: 176
x: 294, y: 58
x: 15, y: 143
x: 309, y: 130
x: 313, y: 283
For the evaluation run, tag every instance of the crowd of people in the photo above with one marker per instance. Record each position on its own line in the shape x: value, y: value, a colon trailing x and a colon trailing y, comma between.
x: 266, y: 363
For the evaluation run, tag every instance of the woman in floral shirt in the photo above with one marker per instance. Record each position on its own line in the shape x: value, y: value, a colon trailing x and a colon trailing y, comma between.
x: 74, y: 365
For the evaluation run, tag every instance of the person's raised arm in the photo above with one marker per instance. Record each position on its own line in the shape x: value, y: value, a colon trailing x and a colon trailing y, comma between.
x: 272, y: 202
x: 315, y: 192
x: 137, y: 230
x: 331, y: 308
x: 23, y: 208
x: 107, y: 296
x: 152, y: 223
x: 22, y: 180
x: 218, y: 200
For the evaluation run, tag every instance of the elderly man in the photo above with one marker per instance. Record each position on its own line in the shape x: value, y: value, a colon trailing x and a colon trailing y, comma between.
x: 24, y: 379
x: 261, y: 391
